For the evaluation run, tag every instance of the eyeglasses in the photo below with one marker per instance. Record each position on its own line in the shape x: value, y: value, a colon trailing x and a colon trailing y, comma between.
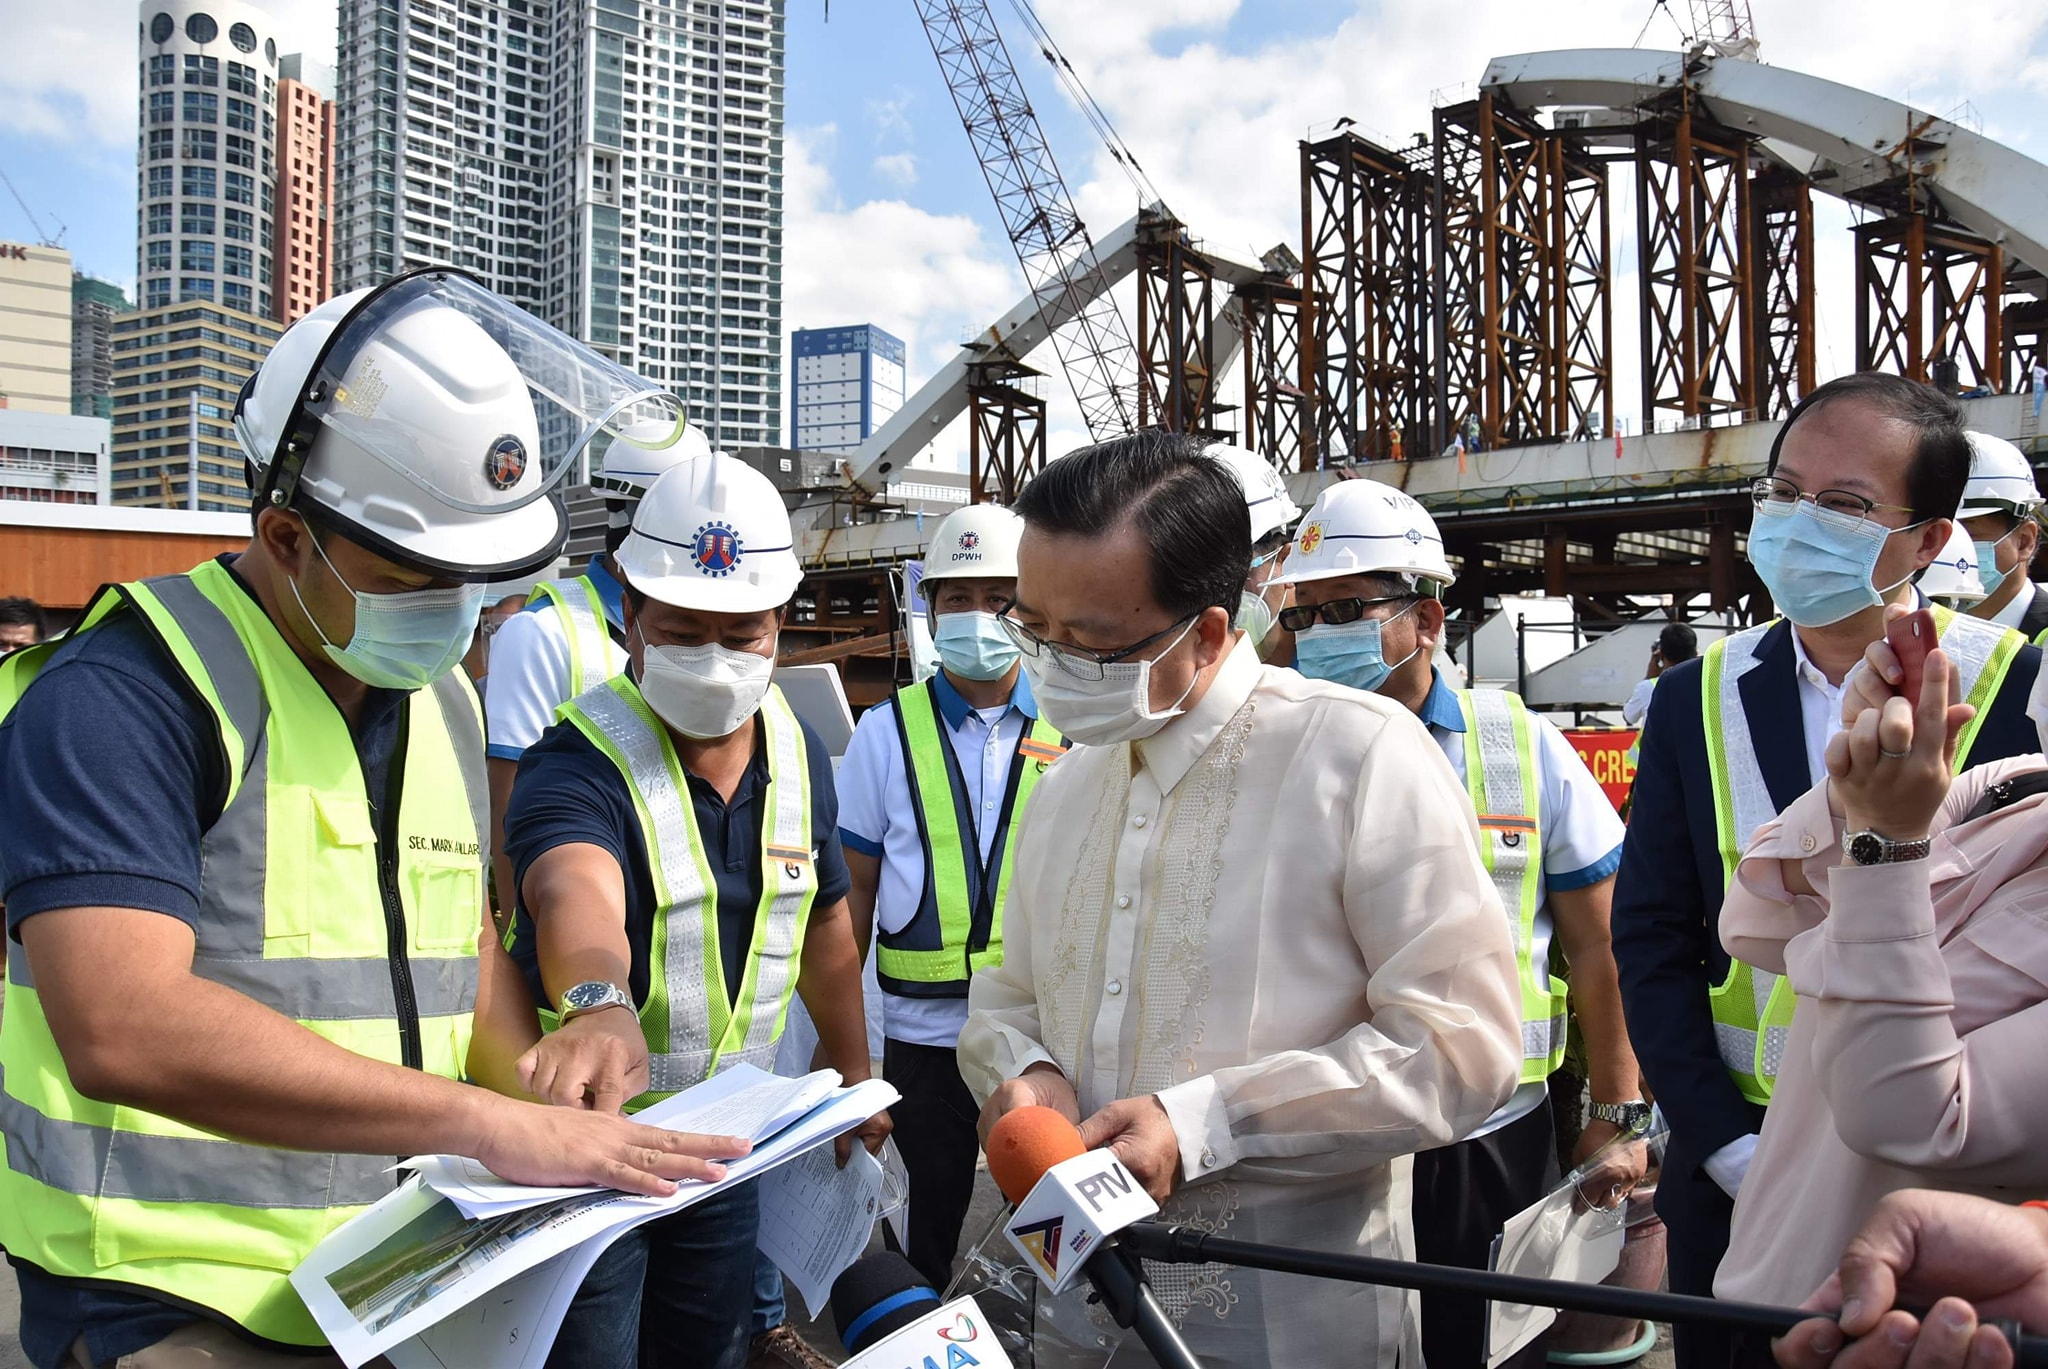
x: 1079, y: 661
x: 1336, y: 613
x: 1770, y: 492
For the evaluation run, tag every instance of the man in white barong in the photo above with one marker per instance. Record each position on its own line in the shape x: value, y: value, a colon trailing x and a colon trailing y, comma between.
x: 1249, y: 945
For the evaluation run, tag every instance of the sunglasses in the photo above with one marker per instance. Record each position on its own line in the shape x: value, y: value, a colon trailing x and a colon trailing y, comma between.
x: 1336, y: 613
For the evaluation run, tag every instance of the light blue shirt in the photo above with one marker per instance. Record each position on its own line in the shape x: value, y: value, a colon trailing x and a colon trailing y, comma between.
x: 876, y: 818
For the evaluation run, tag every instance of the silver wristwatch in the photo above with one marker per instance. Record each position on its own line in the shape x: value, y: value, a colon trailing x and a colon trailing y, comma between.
x: 1868, y: 848
x: 591, y: 995
x: 1632, y: 1117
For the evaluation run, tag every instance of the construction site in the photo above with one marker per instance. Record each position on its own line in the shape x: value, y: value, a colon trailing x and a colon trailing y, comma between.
x: 1448, y: 322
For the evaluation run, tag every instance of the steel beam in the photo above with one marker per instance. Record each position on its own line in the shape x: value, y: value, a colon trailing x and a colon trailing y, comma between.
x: 1781, y: 280
x: 1176, y: 329
x: 1929, y: 298
x: 1693, y: 226
x: 1005, y: 432
x: 1279, y: 412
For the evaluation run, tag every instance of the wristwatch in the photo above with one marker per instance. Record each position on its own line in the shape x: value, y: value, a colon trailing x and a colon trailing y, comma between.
x: 1633, y: 1117
x: 1869, y: 848
x: 591, y: 995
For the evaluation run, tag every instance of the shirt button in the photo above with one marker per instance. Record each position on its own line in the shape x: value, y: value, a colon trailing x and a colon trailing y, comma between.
x: 1123, y: 900
x: 1807, y: 843
x: 1138, y: 821
x: 1208, y: 1157
x: 1114, y: 987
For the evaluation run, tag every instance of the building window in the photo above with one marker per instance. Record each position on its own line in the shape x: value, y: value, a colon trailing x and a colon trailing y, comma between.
x: 158, y: 256
x: 201, y: 145
x: 163, y: 106
x: 237, y: 261
x: 202, y: 107
x: 243, y: 37
x: 196, y: 255
x: 160, y: 181
x: 196, y: 219
x: 241, y: 115
x: 201, y: 71
x: 238, y: 224
x: 201, y: 28
x: 157, y: 220
x: 241, y: 78
x: 200, y: 182
x: 241, y: 151
x: 238, y: 297
x: 162, y: 143
x: 241, y: 187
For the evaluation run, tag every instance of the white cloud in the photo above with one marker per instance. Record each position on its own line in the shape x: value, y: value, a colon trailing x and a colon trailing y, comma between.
x: 889, y: 119
x: 897, y: 168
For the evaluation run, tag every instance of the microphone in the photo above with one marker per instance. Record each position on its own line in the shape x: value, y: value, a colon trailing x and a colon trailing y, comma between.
x: 889, y: 1317
x: 1070, y: 1203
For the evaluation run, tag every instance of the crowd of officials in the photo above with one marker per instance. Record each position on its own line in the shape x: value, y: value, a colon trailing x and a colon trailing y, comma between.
x: 1194, y: 834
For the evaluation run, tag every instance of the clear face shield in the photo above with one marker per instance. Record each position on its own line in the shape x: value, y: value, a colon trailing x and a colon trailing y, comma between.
x: 470, y: 398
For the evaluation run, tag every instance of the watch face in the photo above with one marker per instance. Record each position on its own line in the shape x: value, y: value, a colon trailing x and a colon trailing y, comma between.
x: 1865, y: 848
x: 586, y: 995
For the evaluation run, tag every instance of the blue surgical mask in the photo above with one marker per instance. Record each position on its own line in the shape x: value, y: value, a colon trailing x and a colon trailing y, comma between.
x: 1987, y: 565
x: 402, y: 641
x: 1817, y: 564
x: 974, y: 645
x: 1348, y: 654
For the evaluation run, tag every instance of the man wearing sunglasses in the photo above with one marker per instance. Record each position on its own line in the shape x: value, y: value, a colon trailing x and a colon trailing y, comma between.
x: 1368, y: 571
x: 1249, y: 945
x: 1863, y: 484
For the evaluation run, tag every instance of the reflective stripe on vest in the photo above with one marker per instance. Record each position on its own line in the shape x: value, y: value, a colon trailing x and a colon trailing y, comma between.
x: 958, y: 928
x: 692, y: 1023
x: 1500, y: 775
x: 593, y: 655
x: 291, y: 914
x: 1752, y: 1008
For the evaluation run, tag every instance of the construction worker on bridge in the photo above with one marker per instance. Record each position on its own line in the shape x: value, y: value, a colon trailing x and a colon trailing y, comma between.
x: 675, y: 847
x: 926, y: 824
x: 1863, y: 484
x: 246, y: 819
x: 1368, y: 572
x: 2001, y: 512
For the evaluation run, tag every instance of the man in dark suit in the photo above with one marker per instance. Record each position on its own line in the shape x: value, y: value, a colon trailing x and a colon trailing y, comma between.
x: 2000, y: 507
x: 1864, y: 480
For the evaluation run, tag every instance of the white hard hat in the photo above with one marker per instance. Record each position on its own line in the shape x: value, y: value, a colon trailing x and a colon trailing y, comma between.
x: 1361, y: 527
x: 712, y: 534
x: 1265, y: 492
x: 975, y: 540
x: 429, y: 420
x: 2001, y: 479
x: 1953, y: 574
x: 627, y: 470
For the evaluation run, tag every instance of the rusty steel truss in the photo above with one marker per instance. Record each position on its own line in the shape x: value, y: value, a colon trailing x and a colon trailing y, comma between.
x: 1279, y: 408
x: 1176, y: 329
x: 1693, y: 227
x: 1005, y: 430
x: 1930, y: 302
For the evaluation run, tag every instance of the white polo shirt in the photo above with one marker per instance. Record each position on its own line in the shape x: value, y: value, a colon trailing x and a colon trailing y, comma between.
x: 1581, y: 836
x: 530, y: 668
x: 877, y: 819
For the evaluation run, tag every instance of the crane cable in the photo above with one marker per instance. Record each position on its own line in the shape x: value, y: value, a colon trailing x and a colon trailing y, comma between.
x: 1097, y: 117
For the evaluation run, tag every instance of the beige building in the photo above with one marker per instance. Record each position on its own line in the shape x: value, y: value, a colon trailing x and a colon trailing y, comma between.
x: 35, y: 328
x: 177, y: 370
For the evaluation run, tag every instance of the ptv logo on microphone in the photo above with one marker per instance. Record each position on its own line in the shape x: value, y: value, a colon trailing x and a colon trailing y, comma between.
x: 1070, y: 1211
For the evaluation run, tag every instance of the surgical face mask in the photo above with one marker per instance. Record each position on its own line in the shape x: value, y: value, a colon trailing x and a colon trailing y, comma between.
x: 1348, y: 654
x: 1116, y: 708
x: 1987, y: 564
x: 1254, y: 615
x: 1817, y: 564
x: 974, y: 645
x: 401, y: 641
x: 706, y: 691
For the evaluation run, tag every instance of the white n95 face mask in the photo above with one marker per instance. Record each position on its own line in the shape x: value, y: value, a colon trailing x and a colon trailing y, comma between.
x: 706, y: 691
x: 1116, y: 708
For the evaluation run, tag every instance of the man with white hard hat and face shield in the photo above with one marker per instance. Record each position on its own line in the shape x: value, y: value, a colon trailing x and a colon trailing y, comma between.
x: 244, y: 852
x: 1368, y: 571
x: 1273, y: 513
x: 933, y: 783
x: 2000, y: 510
x: 675, y: 848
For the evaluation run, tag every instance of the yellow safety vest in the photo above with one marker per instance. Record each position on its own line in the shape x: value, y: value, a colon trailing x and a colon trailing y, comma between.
x: 692, y: 1022
x: 958, y: 928
x: 593, y: 656
x: 1501, y: 777
x: 1753, y: 1008
x: 306, y: 907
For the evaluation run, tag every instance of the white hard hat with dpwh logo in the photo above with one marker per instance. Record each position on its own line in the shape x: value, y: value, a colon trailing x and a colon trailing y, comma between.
x: 975, y: 541
x: 429, y: 420
x: 712, y: 534
x: 1952, y: 576
x: 1265, y: 492
x: 2001, y: 479
x: 1362, y: 527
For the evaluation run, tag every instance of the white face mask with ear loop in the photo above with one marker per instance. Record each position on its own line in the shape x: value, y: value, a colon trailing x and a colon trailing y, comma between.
x: 1116, y: 708
x: 706, y: 691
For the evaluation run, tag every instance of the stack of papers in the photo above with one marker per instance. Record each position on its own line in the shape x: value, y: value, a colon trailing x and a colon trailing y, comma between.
x: 459, y: 1267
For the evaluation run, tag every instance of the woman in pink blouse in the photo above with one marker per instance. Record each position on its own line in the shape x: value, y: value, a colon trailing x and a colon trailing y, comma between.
x: 1918, y: 1054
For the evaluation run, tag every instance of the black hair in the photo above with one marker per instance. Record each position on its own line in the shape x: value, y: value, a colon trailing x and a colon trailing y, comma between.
x: 18, y: 611
x: 1187, y: 506
x: 1676, y: 643
x: 615, y: 537
x: 1941, y: 453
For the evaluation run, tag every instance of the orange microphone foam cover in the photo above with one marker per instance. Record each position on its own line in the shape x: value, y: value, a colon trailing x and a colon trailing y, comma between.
x: 1024, y: 1144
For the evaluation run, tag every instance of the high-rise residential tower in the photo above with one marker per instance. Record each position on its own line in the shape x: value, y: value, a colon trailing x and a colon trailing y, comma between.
x: 845, y: 383
x: 94, y: 304
x: 303, y: 218
x: 613, y: 165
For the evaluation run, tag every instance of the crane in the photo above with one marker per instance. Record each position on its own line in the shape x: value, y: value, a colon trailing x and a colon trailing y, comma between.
x: 1724, y: 26
x: 43, y: 239
x: 1052, y: 244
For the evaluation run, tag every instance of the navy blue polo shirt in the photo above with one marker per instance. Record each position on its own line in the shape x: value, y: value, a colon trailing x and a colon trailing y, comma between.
x: 568, y: 791
x: 110, y: 773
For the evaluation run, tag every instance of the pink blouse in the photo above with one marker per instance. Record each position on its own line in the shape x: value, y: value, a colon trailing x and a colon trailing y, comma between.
x: 1918, y: 1055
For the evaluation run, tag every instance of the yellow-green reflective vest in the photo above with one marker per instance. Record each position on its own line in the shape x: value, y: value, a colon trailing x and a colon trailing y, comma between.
x: 304, y: 906
x: 1501, y: 777
x: 1753, y: 1008
x: 692, y: 1022
x: 593, y: 656
x: 958, y: 928
x: 2041, y: 638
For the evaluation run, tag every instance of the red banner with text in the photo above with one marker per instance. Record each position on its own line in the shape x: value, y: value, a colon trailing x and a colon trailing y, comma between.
x: 1605, y: 752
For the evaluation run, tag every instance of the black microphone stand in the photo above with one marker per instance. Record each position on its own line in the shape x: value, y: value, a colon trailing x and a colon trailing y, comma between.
x: 1132, y: 1305
x: 1181, y: 1245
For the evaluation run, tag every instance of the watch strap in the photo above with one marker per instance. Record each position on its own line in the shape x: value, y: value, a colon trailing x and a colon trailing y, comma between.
x: 1874, y: 848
